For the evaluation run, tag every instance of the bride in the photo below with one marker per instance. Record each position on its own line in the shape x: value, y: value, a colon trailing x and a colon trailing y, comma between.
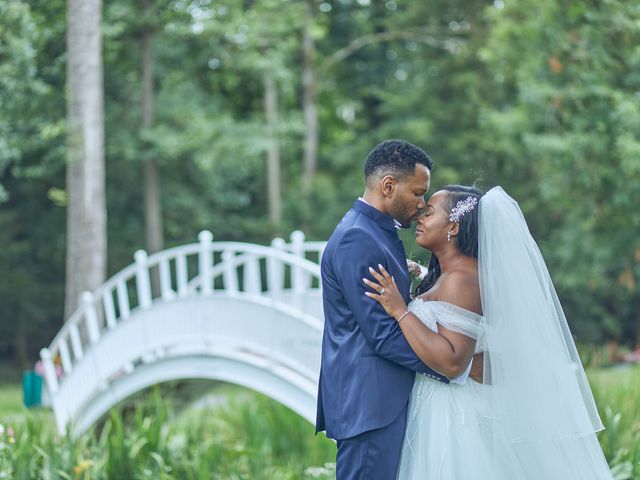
x: 488, y: 290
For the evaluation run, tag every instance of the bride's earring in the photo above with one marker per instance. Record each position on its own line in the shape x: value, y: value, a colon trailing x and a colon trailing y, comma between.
x: 449, y: 236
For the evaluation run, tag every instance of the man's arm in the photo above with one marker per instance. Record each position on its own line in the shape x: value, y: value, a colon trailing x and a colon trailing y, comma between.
x: 358, y: 252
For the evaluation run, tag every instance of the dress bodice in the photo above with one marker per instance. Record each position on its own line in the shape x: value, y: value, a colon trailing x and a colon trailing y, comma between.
x: 452, y: 317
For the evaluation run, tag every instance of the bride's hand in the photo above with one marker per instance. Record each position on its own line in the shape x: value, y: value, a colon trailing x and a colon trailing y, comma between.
x: 386, y: 292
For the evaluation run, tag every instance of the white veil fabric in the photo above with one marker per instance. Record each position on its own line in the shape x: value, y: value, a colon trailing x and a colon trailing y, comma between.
x: 538, y: 390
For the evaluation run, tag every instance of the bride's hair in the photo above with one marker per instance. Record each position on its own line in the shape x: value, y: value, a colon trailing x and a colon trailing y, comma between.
x: 467, y: 238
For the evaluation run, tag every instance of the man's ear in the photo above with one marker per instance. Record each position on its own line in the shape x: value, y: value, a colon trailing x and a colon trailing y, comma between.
x: 388, y: 183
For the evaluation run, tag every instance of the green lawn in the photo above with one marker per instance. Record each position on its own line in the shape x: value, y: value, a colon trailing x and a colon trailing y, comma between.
x: 11, y: 401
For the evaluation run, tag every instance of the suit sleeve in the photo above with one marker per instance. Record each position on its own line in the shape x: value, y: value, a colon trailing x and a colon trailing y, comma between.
x: 357, y: 252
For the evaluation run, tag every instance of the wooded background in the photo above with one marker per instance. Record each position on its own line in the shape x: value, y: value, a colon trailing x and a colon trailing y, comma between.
x: 137, y: 123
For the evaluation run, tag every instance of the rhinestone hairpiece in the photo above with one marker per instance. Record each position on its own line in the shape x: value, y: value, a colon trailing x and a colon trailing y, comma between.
x: 462, y: 207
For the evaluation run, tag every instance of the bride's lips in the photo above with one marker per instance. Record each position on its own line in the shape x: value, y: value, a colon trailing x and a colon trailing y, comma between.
x: 419, y: 231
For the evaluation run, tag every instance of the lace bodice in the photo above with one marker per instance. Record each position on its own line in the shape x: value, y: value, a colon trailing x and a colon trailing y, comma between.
x: 450, y: 316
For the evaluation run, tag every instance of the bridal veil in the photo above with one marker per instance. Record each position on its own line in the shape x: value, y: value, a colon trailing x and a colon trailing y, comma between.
x: 538, y: 388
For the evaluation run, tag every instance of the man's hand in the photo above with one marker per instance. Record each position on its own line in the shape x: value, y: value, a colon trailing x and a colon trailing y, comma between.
x: 477, y: 367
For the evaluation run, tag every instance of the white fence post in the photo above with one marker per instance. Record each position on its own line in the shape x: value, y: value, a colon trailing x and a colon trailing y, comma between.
x: 166, y: 291
x: 205, y: 257
x: 109, y: 309
x: 91, y: 316
x: 143, y: 284
x: 49, y: 370
x: 230, y: 272
x: 298, y: 277
x: 76, y: 343
x: 65, y: 357
x: 252, y: 283
x: 182, y: 278
x: 275, y: 268
x: 123, y: 300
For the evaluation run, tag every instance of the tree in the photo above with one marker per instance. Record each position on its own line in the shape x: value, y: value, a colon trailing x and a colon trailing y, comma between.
x: 86, y: 214
x: 32, y: 177
x: 152, y: 197
x: 569, y: 114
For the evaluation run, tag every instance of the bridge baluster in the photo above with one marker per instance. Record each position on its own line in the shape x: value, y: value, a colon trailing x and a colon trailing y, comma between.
x: 182, y: 278
x: 300, y: 279
x: 230, y: 272
x: 49, y: 370
x: 252, y: 275
x: 64, y: 355
x: 165, y: 280
x: 143, y: 285
x: 109, y: 309
x: 91, y: 316
x: 76, y: 344
x: 205, y: 262
x: 123, y: 300
x: 275, y: 268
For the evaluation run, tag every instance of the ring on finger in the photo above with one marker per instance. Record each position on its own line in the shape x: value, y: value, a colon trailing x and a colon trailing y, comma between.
x: 382, y: 291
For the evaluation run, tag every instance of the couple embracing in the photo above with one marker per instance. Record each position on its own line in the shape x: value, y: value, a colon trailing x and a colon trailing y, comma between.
x: 477, y: 376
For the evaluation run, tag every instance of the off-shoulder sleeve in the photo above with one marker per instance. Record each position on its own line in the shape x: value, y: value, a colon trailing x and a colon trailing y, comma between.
x: 458, y: 319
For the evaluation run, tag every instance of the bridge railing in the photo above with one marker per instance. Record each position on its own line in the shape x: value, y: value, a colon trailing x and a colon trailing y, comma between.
x: 283, y: 271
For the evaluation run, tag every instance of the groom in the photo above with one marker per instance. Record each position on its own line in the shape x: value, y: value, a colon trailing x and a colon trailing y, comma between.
x: 368, y: 368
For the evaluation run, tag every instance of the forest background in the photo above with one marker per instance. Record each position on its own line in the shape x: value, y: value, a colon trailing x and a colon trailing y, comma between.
x: 253, y: 118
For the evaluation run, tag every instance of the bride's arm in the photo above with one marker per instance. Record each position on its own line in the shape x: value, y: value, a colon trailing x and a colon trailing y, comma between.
x: 446, y: 352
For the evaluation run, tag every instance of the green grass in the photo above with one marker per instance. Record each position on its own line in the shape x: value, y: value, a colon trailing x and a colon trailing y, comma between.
x: 248, y: 436
x: 11, y: 401
x: 617, y: 394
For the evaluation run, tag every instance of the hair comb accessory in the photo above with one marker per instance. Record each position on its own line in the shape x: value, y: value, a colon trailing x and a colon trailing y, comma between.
x: 461, y: 208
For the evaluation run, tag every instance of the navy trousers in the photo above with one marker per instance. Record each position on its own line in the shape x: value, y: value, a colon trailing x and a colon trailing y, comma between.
x: 372, y: 455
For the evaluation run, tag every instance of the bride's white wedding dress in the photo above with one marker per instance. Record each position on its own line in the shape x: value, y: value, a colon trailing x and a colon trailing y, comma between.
x: 535, y: 417
x: 450, y: 437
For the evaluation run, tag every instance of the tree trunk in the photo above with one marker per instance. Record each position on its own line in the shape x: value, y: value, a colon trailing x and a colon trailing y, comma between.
x: 86, y: 213
x: 152, y: 202
x: 309, y: 107
x: 273, y: 151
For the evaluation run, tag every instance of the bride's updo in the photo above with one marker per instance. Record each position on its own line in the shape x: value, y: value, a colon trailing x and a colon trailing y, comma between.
x: 467, y: 238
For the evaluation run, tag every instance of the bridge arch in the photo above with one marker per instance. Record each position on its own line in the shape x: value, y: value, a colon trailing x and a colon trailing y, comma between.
x: 230, y: 311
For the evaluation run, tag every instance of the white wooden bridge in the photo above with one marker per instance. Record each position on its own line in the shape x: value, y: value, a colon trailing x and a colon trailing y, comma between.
x: 236, y: 312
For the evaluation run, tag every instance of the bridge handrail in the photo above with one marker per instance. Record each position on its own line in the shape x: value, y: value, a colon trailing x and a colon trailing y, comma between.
x: 291, y: 254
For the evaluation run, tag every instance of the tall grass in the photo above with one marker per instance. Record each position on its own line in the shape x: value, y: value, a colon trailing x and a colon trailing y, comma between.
x: 248, y: 436
x: 617, y: 393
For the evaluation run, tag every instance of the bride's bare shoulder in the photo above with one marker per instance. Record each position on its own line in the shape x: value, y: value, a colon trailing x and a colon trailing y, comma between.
x: 461, y: 288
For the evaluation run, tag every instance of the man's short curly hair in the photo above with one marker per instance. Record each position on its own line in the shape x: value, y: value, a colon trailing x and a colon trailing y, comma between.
x: 394, y: 157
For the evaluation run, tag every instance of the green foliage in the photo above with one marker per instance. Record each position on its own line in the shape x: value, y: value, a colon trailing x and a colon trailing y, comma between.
x: 242, y: 436
x: 540, y: 97
x: 617, y: 392
x: 31, y: 165
x: 570, y: 112
x: 248, y: 436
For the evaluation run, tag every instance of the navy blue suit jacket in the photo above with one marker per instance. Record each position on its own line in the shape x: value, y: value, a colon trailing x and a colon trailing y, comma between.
x: 368, y: 368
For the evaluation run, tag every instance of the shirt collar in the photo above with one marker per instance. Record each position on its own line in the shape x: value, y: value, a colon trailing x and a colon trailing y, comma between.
x: 396, y: 223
